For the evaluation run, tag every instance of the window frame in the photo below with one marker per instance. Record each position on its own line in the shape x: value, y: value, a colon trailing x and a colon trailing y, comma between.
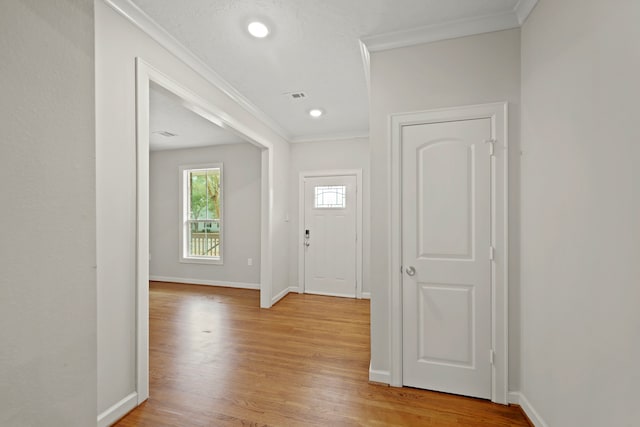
x: 184, y: 220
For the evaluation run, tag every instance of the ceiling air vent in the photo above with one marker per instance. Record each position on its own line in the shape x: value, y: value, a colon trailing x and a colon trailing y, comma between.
x: 165, y: 133
x: 296, y: 96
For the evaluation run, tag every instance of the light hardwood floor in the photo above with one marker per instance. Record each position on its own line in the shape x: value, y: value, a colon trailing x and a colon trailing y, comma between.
x: 216, y: 359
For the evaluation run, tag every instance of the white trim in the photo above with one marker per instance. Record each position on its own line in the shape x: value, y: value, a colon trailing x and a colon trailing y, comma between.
x: 283, y: 294
x: 366, y: 64
x: 221, y: 283
x: 145, y: 74
x: 266, y: 227
x: 518, y: 398
x: 359, y: 217
x: 376, y: 376
x: 144, y: 22
x: 524, y: 8
x: 330, y: 137
x: 366, y: 295
x: 203, y: 260
x: 330, y: 294
x: 117, y: 411
x: 143, y: 78
x: 443, y: 31
x: 394, y: 251
x: 498, y: 113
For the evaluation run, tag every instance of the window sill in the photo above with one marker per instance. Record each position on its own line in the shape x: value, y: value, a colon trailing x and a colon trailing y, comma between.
x: 214, y: 261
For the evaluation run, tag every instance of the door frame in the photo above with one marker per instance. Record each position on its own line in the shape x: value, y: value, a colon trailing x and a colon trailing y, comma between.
x: 498, y: 114
x: 145, y: 75
x: 301, y: 210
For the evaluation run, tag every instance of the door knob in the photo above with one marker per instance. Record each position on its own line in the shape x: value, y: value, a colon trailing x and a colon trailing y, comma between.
x: 411, y: 271
x: 306, y: 243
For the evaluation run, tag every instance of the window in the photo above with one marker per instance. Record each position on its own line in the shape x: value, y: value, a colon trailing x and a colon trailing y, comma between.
x: 330, y: 196
x: 202, y: 214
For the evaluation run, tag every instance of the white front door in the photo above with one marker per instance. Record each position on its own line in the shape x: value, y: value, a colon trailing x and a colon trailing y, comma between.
x: 330, y: 235
x: 446, y: 237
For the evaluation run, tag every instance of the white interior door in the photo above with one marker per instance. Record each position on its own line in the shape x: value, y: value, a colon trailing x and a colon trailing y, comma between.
x: 446, y: 232
x: 330, y: 235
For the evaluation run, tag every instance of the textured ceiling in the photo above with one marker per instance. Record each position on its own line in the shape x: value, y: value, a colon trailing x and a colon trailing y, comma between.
x: 167, y: 114
x: 313, y: 47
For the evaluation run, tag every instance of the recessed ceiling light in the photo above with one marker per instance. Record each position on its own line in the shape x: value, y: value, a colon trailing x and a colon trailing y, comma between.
x: 315, y: 113
x: 258, y: 30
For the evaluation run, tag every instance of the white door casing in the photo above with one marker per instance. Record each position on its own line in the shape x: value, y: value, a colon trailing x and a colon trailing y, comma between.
x: 444, y: 250
x: 329, y: 235
x: 446, y: 285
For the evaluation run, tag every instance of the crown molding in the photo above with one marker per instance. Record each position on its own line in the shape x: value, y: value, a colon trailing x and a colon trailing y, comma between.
x: 447, y: 30
x: 144, y: 22
x: 523, y: 9
x: 330, y: 137
x: 444, y: 31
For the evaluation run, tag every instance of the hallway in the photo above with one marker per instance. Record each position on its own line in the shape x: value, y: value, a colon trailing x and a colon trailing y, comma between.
x: 217, y: 359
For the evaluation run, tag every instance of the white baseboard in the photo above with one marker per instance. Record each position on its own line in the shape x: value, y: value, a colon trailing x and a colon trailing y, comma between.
x: 117, y: 411
x: 283, y: 294
x: 520, y: 399
x: 298, y: 289
x: 330, y: 294
x: 383, y: 377
x: 238, y: 285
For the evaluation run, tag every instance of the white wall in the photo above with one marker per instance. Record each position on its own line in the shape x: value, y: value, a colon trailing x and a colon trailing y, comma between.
x: 469, y: 70
x: 581, y: 212
x: 241, y: 214
x: 118, y: 43
x: 47, y: 243
x: 328, y: 155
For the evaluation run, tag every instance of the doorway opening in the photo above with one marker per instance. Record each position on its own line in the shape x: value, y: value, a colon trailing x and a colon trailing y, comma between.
x: 148, y: 78
x: 204, y: 199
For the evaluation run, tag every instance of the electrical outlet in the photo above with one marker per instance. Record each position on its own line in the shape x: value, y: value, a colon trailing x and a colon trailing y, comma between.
x: 249, y: 261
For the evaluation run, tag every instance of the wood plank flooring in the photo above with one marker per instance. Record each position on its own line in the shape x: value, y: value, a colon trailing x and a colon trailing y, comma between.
x: 217, y: 359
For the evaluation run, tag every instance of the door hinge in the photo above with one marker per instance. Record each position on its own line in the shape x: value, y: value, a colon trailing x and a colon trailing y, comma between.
x: 492, y: 357
x: 492, y: 143
x: 492, y: 253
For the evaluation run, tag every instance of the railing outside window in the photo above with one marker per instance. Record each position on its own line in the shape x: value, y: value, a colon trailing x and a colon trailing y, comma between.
x: 204, y: 238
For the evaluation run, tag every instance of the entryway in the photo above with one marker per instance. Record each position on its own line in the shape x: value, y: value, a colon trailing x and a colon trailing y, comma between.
x: 330, y: 235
